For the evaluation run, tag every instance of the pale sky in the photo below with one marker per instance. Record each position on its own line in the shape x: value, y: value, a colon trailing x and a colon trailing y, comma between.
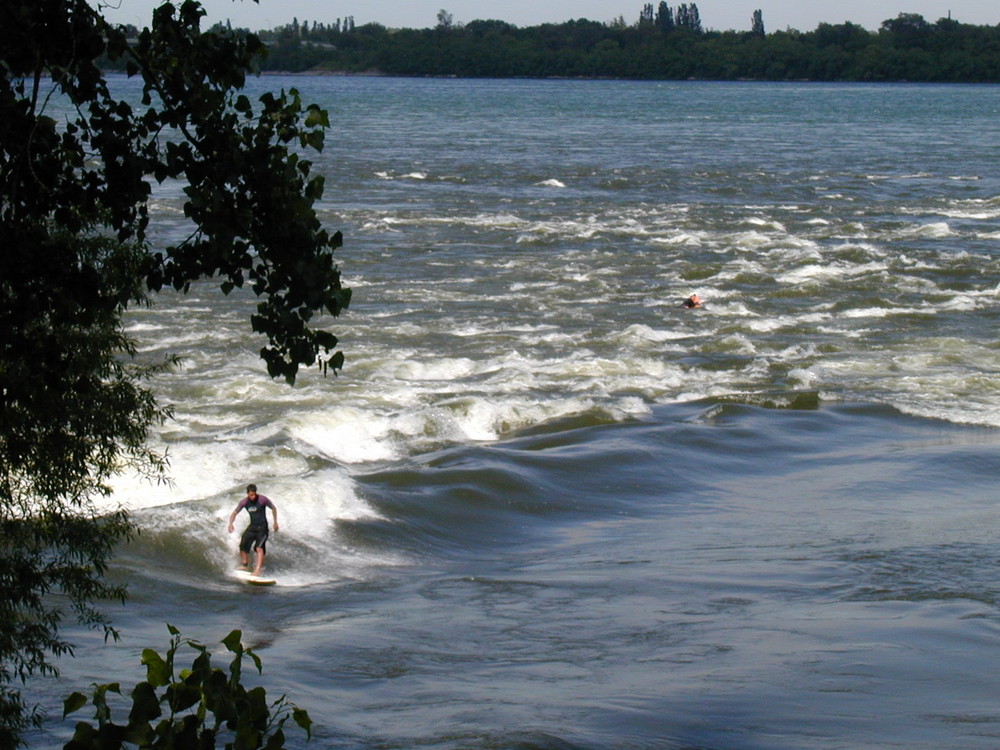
x: 720, y: 15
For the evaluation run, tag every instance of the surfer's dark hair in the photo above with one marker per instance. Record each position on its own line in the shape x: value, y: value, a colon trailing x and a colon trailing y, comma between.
x: 251, y: 488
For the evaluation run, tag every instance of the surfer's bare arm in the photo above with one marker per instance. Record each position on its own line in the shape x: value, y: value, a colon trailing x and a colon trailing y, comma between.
x: 274, y: 512
x: 232, y: 518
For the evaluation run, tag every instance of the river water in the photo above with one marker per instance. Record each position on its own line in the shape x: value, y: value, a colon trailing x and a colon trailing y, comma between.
x: 544, y: 507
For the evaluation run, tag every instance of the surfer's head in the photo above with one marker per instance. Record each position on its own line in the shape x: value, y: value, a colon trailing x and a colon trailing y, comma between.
x: 251, y: 489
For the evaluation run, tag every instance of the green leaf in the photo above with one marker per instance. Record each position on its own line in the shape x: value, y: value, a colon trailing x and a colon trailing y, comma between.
x: 157, y: 671
x: 256, y: 661
x: 315, y: 140
x: 74, y: 702
x: 85, y: 736
x: 232, y: 642
x: 317, y: 117
x: 276, y: 741
x: 145, y: 704
x: 253, y: 722
x: 301, y: 717
x: 181, y: 696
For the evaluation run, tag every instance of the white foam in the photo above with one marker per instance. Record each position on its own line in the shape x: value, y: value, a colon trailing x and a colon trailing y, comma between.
x: 519, y: 323
x: 309, y: 505
x: 642, y: 334
x: 440, y: 369
x: 819, y: 272
x: 347, y: 434
x: 980, y: 215
x: 752, y: 240
x: 766, y: 325
x: 802, y: 378
x: 771, y: 224
x: 734, y: 343
x: 867, y: 312
x: 934, y: 230
x: 199, y: 469
x: 733, y: 309
x: 303, y: 550
x: 680, y: 238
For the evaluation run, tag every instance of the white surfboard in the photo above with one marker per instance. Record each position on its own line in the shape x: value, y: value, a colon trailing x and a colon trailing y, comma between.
x: 247, y: 577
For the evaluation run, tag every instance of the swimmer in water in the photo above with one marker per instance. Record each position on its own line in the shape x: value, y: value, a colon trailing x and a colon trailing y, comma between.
x: 693, y: 301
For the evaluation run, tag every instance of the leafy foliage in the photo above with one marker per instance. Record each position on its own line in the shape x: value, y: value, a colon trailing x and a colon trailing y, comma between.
x: 76, y: 165
x: 670, y: 43
x: 195, y: 708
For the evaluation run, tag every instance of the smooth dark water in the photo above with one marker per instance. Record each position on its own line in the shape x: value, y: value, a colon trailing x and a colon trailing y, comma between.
x: 544, y: 508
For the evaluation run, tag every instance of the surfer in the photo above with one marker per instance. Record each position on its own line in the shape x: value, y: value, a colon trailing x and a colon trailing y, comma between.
x: 693, y: 301
x: 255, y: 536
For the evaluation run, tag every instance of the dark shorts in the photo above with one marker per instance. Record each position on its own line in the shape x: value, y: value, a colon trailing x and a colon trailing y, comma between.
x: 255, y: 537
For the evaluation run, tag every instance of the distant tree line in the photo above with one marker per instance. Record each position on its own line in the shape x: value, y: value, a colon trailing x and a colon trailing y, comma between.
x: 665, y: 42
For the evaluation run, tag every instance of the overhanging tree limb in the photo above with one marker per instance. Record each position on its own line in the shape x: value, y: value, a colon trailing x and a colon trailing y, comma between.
x: 75, y: 255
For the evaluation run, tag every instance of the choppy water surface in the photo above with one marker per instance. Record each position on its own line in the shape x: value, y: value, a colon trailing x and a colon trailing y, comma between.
x: 544, y: 507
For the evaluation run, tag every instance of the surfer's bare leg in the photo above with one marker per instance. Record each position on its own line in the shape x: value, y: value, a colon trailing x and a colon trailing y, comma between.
x: 260, y: 562
x: 244, y: 560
